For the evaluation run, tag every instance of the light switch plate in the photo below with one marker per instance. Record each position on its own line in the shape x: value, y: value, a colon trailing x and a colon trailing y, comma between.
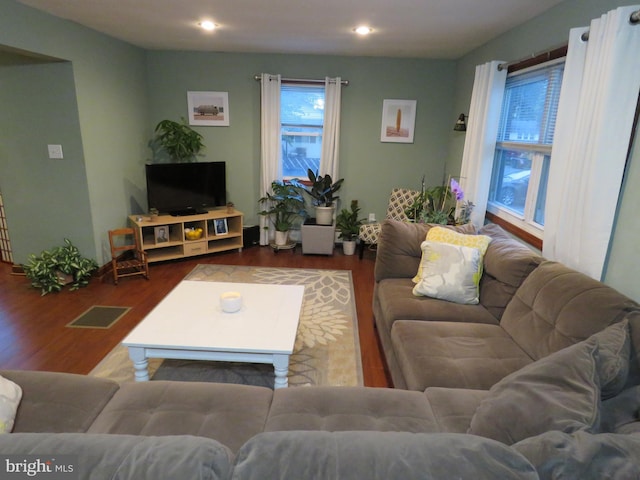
x: 55, y: 151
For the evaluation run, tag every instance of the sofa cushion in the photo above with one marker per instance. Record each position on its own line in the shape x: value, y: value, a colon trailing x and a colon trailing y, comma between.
x: 350, y: 408
x: 396, y: 301
x: 377, y: 455
x: 621, y: 413
x: 556, y: 307
x: 582, y: 455
x: 559, y: 392
x: 399, y: 248
x: 59, y: 402
x: 613, y: 366
x: 454, y: 354
x: 449, y: 272
x: 454, y: 407
x: 125, y: 457
x: 507, y: 263
x: 228, y: 413
x: 452, y: 237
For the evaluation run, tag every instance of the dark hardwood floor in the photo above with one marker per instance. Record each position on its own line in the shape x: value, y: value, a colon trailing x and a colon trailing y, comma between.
x: 34, y: 336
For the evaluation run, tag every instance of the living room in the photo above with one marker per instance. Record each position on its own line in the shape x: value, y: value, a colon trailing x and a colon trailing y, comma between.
x: 100, y: 98
x: 111, y: 95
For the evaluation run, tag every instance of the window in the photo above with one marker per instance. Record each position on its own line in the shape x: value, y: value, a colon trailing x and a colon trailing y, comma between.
x: 301, y: 118
x: 523, y: 149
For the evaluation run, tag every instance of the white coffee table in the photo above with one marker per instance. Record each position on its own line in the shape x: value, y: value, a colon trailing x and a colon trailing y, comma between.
x: 189, y: 324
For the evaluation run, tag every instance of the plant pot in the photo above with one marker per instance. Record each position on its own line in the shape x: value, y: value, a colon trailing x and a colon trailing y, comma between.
x: 324, y: 215
x: 282, y: 237
x: 349, y: 247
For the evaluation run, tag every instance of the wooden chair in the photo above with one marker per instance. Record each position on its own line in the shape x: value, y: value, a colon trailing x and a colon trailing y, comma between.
x: 127, y: 258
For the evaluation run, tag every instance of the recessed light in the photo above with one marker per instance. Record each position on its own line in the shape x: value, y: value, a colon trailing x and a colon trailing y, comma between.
x: 363, y: 30
x: 207, y: 25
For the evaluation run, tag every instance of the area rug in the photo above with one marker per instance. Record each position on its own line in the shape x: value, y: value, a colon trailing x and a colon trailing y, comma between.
x: 326, y: 352
x: 99, y: 316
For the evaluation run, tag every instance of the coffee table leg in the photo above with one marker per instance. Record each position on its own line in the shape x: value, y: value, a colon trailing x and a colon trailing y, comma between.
x: 140, y: 364
x: 281, y: 368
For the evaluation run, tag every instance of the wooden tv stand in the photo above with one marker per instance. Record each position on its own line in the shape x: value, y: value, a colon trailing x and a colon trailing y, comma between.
x: 177, y: 245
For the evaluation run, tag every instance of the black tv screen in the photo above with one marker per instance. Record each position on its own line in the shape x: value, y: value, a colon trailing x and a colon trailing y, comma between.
x: 186, y: 188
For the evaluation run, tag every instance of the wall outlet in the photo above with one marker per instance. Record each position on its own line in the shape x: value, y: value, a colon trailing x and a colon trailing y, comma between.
x: 55, y: 151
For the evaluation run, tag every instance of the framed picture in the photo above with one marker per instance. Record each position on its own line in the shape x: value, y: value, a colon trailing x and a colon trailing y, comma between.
x: 208, y: 108
x: 398, y: 121
x: 221, y: 227
x: 161, y: 233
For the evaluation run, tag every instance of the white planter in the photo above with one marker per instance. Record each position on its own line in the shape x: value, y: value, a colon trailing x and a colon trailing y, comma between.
x: 282, y: 237
x: 324, y: 215
x: 349, y: 247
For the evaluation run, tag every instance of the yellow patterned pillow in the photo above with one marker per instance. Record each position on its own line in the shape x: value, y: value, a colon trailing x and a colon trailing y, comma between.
x: 447, y: 235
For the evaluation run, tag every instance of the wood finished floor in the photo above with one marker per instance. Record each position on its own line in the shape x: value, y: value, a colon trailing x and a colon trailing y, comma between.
x: 34, y: 336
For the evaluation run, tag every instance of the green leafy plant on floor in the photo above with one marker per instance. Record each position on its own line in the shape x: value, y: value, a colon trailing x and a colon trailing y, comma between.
x: 53, y: 269
x: 348, y: 223
x: 283, y: 206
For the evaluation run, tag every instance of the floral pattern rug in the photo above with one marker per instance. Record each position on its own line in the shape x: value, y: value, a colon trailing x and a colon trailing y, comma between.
x: 326, y: 351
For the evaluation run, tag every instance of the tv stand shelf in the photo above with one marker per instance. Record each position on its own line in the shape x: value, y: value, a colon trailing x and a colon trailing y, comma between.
x: 163, y: 238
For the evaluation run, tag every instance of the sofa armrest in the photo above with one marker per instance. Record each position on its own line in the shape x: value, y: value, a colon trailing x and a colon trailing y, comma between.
x: 59, y: 402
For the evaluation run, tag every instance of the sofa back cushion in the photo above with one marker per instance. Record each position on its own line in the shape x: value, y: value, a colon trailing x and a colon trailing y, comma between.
x: 557, y: 307
x: 507, y: 263
x: 399, y: 251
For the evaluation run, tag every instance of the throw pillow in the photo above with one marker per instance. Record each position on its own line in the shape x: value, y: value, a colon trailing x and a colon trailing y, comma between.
x: 614, y: 345
x: 558, y: 392
x: 447, y: 235
x: 10, y: 396
x: 449, y: 272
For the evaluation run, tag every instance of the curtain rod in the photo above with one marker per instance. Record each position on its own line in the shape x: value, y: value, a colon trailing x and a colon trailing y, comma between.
x: 308, y: 81
x: 634, y: 19
x: 550, y: 54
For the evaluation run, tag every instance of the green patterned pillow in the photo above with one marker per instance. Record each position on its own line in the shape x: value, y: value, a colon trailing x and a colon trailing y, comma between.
x: 449, y: 272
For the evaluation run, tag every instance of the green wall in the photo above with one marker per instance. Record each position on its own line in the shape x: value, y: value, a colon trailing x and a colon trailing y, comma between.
x: 544, y: 32
x: 39, y: 108
x: 370, y: 168
x: 108, y: 77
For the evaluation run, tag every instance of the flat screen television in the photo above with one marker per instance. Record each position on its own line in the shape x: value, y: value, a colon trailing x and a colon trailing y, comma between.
x: 186, y: 188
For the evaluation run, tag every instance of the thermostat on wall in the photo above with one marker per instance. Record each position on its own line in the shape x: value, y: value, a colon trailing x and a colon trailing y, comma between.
x: 55, y: 151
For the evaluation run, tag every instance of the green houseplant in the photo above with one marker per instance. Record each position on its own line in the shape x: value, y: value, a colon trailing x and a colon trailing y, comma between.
x: 178, y: 140
x: 53, y: 269
x: 283, y: 207
x: 348, y: 223
x: 322, y: 190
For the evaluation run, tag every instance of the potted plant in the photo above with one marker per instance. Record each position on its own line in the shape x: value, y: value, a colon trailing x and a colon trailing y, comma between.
x: 323, y: 193
x: 178, y: 140
x: 62, y: 265
x: 283, y: 207
x: 348, y: 223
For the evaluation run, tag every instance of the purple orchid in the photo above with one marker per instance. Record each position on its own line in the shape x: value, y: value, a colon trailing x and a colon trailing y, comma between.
x: 456, y: 190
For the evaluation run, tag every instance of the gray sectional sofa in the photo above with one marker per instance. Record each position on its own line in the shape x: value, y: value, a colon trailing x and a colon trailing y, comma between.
x: 541, y: 379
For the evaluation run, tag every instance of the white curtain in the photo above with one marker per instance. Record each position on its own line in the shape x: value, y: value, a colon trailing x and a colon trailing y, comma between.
x: 595, y: 116
x: 482, y: 132
x: 270, y: 166
x: 329, y: 158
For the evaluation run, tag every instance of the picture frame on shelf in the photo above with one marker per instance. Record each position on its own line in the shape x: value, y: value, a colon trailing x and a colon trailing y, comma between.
x: 398, y: 121
x: 208, y: 108
x: 161, y: 234
x: 220, y: 226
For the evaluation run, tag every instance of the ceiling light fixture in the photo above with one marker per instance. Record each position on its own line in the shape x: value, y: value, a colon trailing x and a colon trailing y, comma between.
x: 207, y: 25
x: 363, y: 30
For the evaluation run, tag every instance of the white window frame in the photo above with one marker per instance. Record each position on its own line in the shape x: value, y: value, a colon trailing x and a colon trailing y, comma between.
x: 526, y: 222
x: 284, y: 125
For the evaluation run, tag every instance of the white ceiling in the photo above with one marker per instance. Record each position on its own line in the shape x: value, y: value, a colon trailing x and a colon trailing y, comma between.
x: 402, y: 28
